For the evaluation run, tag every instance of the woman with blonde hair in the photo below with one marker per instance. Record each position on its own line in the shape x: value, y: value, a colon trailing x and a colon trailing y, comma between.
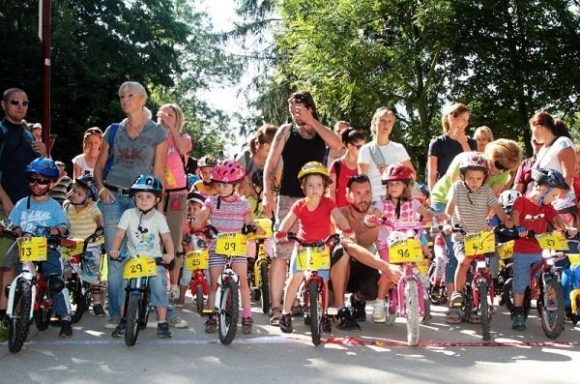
x: 483, y: 136
x: 85, y: 162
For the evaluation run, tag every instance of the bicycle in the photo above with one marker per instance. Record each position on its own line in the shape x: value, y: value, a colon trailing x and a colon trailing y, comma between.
x: 312, y: 258
x: 259, y: 266
x: 197, y: 261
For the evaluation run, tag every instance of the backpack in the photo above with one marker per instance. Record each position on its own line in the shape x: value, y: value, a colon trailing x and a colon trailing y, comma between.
x: 111, y: 141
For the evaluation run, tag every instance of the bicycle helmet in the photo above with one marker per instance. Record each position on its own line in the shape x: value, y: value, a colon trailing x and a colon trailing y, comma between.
x: 474, y: 162
x: 207, y: 161
x: 314, y: 168
x: 565, y: 205
x: 88, y: 182
x: 397, y: 172
x: 258, y: 178
x: 507, y: 199
x: 549, y: 177
x: 44, y: 167
x: 230, y: 171
x: 191, y: 179
x: 196, y: 197
x: 146, y: 183
x: 395, y: 237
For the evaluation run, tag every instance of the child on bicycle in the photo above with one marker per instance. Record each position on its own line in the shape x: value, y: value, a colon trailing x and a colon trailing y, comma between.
x: 314, y: 213
x: 228, y: 213
x: 85, y: 219
x: 469, y: 203
x: 399, y: 208
x: 533, y: 212
x: 147, y: 231
x: 206, y: 186
x: 41, y: 215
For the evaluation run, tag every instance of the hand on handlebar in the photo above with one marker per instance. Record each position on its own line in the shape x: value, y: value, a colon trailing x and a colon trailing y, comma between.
x: 114, y: 253
x: 522, y: 232
x: 280, y: 237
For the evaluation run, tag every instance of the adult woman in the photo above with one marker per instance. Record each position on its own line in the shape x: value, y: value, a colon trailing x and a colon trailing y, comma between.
x: 443, y: 149
x: 558, y: 149
x: 179, y: 145
x: 139, y: 147
x: 342, y: 168
x: 483, y: 136
x: 374, y: 157
x: 85, y: 162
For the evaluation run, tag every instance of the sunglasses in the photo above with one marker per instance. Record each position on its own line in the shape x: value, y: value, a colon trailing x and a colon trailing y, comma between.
x: 499, y: 166
x: 33, y: 181
x: 357, y: 179
x: 18, y: 102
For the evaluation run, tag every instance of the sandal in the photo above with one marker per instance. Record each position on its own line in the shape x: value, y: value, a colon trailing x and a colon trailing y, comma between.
x: 275, y: 316
x: 453, y: 316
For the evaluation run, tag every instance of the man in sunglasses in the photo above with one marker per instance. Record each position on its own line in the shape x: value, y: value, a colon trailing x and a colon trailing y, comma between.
x: 17, y: 149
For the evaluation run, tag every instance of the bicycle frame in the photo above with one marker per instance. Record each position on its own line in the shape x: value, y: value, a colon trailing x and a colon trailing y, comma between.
x: 227, y: 274
x: 29, y: 274
x: 481, y: 272
x: 409, y: 274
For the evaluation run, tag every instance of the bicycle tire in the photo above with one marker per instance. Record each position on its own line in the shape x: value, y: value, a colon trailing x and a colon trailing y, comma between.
x: 265, y: 287
x: 551, y: 309
x: 484, y: 310
x: 412, y: 312
x: 42, y: 318
x: 228, y: 311
x: 78, y: 301
x: 315, y: 312
x: 20, y: 321
x: 199, y: 301
x: 145, y: 309
x: 467, y: 306
x: 133, y: 324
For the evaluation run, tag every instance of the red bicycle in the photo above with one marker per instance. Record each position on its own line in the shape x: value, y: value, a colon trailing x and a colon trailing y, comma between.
x: 196, y: 260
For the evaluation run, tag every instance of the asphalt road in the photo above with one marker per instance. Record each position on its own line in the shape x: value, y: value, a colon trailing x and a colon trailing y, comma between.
x: 447, y: 354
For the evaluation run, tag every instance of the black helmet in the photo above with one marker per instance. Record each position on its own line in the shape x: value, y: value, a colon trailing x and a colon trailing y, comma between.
x: 549, y: 177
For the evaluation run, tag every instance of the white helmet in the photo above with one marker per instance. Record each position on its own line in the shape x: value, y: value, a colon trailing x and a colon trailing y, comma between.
x: 395, y: 237
x: 507, y: 199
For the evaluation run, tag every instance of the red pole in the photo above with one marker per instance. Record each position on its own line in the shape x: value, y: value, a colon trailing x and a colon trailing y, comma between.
x: 45, y: 79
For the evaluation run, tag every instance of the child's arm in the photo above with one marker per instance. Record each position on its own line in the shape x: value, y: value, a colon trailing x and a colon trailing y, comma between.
x: 340, y: 220
x: 429, y: 214
x: 169, y: 248
x: 116, y: 245
x: 200, y: 220
x: 504, y: 218
x: 285, y: 225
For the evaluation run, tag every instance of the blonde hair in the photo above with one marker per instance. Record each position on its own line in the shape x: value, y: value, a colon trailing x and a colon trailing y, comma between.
x: 96, y: 131
x: 485, y: 130
x: 178, y: 115
x: 507, y: 152
x: 263, y: 135
x: 377, y: 117
x: 455, y: 110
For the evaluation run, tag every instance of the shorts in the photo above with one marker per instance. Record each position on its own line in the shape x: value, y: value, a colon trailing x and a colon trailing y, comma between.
x: 283, y: 204
x: 362, y: 278
x: 522, y: 268
x: 91, y: 264
x: 158, y: 288
x: 218, y: 261
x: 8, y: 248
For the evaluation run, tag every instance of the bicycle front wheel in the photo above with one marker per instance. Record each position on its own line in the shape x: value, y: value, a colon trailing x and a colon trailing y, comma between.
x: 199, y: 302
x: 315, y: 311
x: 20, y: 321
x: 484, y: 310
x: 265, y: 287
x: 133, y: 322
x: 551, y: 309
x: 228, y: 311
x: 412, y: 312
x: 78, y: 300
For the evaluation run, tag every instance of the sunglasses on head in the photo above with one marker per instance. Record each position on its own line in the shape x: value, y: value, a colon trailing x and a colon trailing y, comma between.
x: 34, y: 180
x: 357, y: 179
x: 499, y: 166
x: 94, y: 130
x: 18, y: 102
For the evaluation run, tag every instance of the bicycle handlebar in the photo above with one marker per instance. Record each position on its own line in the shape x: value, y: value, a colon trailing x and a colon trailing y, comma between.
x: 333, y: 239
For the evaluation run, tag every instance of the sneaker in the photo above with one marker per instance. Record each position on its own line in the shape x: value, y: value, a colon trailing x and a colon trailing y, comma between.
x: 345, y: 321
x: 325, y: 324
x: 177, y: 322
x: 210, y: 325
x: 112, y: 323
x: 163, y: 331
x: 358, y: 309
x: 379, y: 315
x: 247, y: 323
x: 456, y: 299
x: 179, y: 302
x: 119, y: 330
x: 98, y: 310
x: 286, y: 323
x: 518, y: 319
x: 66, y: 329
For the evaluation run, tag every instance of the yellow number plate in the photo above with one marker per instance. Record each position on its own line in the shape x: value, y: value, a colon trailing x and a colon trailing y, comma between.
x: 506, y: 250
x: 139, y: 266
x: 71, y: 247
x: 574, y: 258
x: 479, y: 243
x: 231, y: 244
x: 198, y: 259
x: 313, y: 258
x: 405, y: 251
x: 553, y: 240
x: 32, y: 248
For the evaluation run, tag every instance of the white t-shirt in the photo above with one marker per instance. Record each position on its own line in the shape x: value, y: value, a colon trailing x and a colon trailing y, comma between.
x: 393, y: 153
x: 547, y: 157
x: 144, y: 232
x: 82, y: 162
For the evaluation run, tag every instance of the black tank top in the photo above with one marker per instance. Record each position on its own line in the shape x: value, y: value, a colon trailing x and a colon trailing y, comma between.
x: 297, y: 152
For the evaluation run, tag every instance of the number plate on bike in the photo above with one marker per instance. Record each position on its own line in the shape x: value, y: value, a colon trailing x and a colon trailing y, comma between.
x: 506, y: 250
x: 479, y: 243
x: 266, y: 225
x: 406, y: 251
x: 313, y: 258
x: 33, y: 248
x: 574, y: 258
x: 198, y: 259
x: 553, y: 240
x: 139, y: 266
x: 231, y: 244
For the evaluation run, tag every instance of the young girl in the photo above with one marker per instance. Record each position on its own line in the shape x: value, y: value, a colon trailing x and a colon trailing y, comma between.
x: 398, y: 207
x: 313, y: 213
x: 228, y: 212
x: 84, y: 219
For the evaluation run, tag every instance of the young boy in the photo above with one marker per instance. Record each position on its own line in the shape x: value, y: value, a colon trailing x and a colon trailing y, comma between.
x: 84, y: 219
x: 41, y: 215
x: 469, y: 203
x: 205, y: 165
x: 533, y: 212
x: 147, y: 230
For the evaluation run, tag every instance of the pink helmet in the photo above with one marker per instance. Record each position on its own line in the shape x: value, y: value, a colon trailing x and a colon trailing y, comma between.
x: 230, y: 171
x: 474, y: 162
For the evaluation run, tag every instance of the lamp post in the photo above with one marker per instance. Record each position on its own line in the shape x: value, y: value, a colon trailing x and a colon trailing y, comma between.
x: 44, y: 10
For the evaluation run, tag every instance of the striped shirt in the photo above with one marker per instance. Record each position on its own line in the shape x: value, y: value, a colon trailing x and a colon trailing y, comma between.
x: 471, y: 208
x: 83, y: 223
x: 230, y: 215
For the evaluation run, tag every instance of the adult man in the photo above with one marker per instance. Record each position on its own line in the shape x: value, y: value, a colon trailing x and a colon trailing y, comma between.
x: 357, y: 269
x: 17, y: 149
x: 296, y: 143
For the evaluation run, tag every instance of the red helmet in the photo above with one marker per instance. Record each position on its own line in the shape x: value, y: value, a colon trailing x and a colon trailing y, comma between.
x: 230, y: 171
x: 397, y: 172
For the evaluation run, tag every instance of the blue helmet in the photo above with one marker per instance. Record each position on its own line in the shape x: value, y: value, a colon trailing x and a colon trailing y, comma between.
x: 550, y: 177
x: 147, y: 183
x: 88, y: 182
x: 44, y: 167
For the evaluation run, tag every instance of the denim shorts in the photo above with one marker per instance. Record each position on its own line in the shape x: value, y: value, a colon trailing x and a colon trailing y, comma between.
x: 522, y: 267
x: 158, y: 288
